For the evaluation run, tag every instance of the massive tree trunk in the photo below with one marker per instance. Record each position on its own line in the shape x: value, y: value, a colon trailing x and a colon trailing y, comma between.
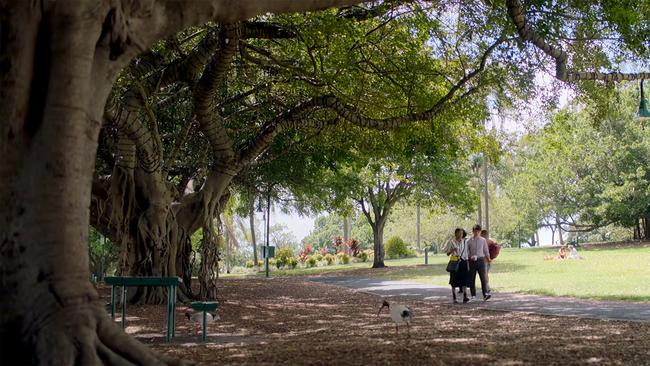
x: 58, y: 62
x: 52, y: 88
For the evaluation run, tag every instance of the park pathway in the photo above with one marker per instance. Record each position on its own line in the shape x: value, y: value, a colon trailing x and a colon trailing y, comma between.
x: 557, y: 306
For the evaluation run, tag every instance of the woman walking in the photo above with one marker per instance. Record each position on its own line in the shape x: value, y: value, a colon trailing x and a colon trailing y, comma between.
x: 459, y: 278
x: 479, y: 258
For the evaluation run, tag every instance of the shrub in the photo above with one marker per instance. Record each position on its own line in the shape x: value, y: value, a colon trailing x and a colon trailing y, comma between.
x: 318, y: 257
x: 363, y: 256
x: 305, y: 252
x: 338, y: 244
x: 251, y: 264
x: 343, y: 258
x: 330, y: 259
x: 283, y: 257
x: 354, y: 248
x: 271, y: 262
x: 293, y: 262
x: 397, y: 248
x: 324, y: 251
x: 311, y: 261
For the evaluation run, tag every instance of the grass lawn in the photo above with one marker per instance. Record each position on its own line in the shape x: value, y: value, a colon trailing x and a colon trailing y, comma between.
x: 605, y: 273
x: 622, y: 274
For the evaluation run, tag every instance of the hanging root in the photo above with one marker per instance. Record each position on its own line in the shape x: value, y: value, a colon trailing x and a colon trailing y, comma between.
x: 121, y: 193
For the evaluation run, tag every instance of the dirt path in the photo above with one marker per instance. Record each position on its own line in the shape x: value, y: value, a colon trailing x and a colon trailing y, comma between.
x: 546, y: 305
x: 288, y: 321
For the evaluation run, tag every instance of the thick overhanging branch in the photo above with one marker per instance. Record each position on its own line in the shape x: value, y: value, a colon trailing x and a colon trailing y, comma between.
x: 263, y: 30
x: 129, y: 122
x: 518, y: 17
x: 179, y: 16
x: 250, y: 150
x: 291, y: 119
x: 205, y: 95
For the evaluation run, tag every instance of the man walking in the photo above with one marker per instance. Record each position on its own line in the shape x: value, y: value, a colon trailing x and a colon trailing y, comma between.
x: 493, y: 248
x: 479, y: 258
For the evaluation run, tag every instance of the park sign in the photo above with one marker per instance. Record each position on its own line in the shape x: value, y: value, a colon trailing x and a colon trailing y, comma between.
x: 268, y: 251
x: 643, y: 105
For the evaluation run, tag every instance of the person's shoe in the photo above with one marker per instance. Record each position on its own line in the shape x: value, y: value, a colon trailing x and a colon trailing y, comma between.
x: 487, y: 297
x: 466, y: 300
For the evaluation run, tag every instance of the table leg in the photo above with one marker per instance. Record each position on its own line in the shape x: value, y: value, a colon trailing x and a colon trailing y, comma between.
x: 204, y: 326
x: 123, y: 299
x: 113, y: 302
x: 174, y: 311
x: 169, y: 316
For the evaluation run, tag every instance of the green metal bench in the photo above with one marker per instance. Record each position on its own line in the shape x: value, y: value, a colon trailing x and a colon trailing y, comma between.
x: 204, y: 306
x: 170, y: 282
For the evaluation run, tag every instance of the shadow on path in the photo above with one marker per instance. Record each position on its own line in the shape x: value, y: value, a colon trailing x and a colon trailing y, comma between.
x: 557, y: 306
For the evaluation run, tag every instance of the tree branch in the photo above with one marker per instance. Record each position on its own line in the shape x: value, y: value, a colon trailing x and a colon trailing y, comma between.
x: 205, y: 95
x: 518, y: 17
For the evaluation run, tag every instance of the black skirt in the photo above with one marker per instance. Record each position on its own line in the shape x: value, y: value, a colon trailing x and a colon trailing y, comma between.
x: 460, y: 278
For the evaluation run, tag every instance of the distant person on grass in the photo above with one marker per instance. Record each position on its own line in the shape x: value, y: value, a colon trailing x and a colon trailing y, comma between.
x: 561, y: 254
x: 479, y: 258
x: 460, y: 278
x: 574, y: 253
x: 493, y: 248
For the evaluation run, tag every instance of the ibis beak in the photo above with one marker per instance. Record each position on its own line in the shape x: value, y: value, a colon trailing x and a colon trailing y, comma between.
x: 380, y: 309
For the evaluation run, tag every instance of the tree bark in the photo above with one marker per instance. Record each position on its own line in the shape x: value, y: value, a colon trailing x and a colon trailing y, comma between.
x: 552, y: 235
x: 378, y: 243
x: 251, y: 217
x: 417, y: 225
x: 559, y: 229
x: 51, y: 314
x: 59, y: 61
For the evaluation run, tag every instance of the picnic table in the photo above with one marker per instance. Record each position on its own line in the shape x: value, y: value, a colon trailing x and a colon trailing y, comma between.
x: 170, y: 282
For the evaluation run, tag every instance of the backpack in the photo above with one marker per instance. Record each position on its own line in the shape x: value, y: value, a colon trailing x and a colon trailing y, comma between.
x: 494, y: 250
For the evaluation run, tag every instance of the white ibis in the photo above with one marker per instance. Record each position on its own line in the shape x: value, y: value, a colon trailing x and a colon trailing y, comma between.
x: 197, y: 317
x: 401, y: 314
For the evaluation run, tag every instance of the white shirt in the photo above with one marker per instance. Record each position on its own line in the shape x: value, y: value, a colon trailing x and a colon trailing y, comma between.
x: 459, y: 246
x: 478, y: 247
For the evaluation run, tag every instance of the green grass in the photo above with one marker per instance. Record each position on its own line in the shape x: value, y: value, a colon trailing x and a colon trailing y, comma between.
x: 620, y: 274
